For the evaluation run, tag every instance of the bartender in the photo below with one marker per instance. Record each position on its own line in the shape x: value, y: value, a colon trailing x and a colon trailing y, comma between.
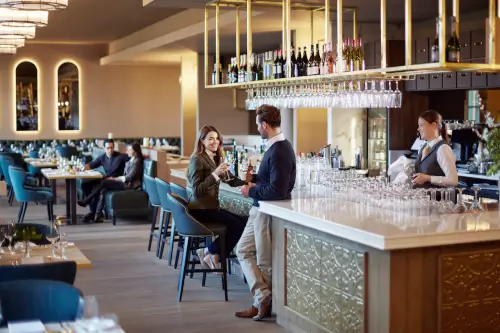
x: 436, y: 164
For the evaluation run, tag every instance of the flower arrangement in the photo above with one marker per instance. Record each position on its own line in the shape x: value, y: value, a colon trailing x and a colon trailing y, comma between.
x: 492, y: 138
x: 493, y: 142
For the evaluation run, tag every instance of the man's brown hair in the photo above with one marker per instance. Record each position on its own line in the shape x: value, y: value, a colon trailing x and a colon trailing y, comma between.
x: 270, y: 114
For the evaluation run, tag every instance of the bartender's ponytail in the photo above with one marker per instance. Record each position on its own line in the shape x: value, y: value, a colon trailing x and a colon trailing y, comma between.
x: 432, y: 116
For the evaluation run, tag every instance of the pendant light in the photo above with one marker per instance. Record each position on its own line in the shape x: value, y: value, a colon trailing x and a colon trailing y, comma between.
x: 8, y: 50
x: 12, y: 42
x: 17, y: 32
x: 47, y: 5
x: 23, y: 18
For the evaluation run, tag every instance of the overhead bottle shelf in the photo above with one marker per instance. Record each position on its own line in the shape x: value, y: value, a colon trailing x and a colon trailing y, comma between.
x: 343, y: 71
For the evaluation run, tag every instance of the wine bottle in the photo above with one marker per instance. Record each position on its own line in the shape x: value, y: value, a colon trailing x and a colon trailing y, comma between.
x: 361, y: 55
x: 277, y: 65
x: 331, y: 59
x: 322, y: 63
x: 453, y: 47
x: 305, y: 62
x: 240, y: 69
x: 236, y: 71
x: 299, y: 63
x: 310, y: 64
x: 214, y: 75
x: 317, y: 60
x: 293, y: 62
x: 254, y: 74
x: 435, y: 44
x: 260, y: 69
x: 245, y: 73
x: 266, y: 66
x: 230, y: 72
x: 346, y: 56
x: 282, y: 61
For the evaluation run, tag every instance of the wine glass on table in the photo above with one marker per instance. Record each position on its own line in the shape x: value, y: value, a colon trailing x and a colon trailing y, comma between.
x: 10, y: 231
x: 52, y: 236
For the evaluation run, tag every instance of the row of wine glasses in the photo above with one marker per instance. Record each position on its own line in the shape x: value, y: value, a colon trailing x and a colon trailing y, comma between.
x: 350, y: 186
x: 10, y: 232
x: 349, y: 94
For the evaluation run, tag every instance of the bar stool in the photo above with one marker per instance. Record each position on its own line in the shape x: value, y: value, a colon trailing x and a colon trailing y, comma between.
x: 169, y: 228
x: 181, y: 192
x: 154, y: 200
x: 191, y: 229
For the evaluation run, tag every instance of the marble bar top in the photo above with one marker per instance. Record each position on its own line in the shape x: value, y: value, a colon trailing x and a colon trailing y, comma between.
x: 384, y: 229
x: 375, y: 227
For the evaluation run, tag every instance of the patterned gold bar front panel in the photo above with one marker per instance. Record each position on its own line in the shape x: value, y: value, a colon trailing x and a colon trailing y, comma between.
x: 469, y: 285
x: 325, y: 282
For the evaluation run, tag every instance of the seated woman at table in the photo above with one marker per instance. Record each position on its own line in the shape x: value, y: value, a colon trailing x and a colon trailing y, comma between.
x: 131, y: 180
x: 206, y: 170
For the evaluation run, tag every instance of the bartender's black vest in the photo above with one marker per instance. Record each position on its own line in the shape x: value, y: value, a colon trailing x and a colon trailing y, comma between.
x: 429, y: 165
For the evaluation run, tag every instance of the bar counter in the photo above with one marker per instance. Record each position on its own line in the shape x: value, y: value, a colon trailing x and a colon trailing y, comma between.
x: 344, y: 267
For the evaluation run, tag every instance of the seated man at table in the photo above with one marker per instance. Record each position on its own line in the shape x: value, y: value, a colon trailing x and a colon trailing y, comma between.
x: 114, y: 165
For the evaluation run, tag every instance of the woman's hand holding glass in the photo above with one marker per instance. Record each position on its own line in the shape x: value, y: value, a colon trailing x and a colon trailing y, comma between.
x: 221, y: 169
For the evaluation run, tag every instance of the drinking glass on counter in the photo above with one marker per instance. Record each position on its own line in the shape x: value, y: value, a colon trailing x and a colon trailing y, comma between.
x: 315, y: 176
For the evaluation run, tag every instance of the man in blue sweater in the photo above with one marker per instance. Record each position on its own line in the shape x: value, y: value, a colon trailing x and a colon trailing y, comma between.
x: 274, y: 181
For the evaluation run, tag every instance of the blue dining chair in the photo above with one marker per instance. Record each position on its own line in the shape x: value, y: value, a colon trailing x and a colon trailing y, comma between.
x: 5, y: 162
x: 44, y: 300
x: 168, y: 234
x: 63, y: 271
x: 35, y: 171
x: 24, y: 194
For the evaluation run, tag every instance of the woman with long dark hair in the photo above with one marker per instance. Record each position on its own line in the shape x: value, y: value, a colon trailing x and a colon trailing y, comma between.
x: 131, y: 180
x: 206, y: 170
x: 436, y: 164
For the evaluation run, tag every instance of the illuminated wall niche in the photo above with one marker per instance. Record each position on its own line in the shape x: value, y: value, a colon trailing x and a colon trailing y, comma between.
x: 26, y: 97
x: 68, y: 97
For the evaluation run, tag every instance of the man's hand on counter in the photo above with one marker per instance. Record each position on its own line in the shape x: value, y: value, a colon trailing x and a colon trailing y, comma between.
x: 245, y: 188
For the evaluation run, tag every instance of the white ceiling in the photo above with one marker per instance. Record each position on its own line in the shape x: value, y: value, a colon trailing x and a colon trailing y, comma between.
x: 99, y: 21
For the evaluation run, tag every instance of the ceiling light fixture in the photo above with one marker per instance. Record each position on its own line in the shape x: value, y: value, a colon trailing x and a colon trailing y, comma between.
x: 47, y: 5
x: 8, y: 50
x: 17, y: 32
x: 11, y: 42
x: 23, y: 18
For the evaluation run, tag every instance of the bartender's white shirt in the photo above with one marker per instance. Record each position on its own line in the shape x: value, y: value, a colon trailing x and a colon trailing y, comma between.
x: 447, y: 161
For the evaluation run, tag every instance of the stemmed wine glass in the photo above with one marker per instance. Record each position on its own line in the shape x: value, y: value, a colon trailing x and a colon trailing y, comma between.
x: 476, y: 205
x: 10, y: 231
x: 460, y: 207
x: 230, y: 161
x: 52, y: 236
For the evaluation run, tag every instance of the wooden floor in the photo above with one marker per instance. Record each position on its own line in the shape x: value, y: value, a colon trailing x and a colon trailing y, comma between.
x: 141, y: 289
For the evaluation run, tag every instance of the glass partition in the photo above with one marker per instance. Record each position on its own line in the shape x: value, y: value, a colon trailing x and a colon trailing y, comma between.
x: 68, y: 99
x: 26, y: 97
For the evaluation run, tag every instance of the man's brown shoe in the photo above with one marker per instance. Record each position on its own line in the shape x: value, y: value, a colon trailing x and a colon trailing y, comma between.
x: 248, y: 313
x: 265, y: 309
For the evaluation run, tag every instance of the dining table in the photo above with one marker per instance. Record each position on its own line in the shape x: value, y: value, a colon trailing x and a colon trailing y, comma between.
x: 40, y: 254
x: 70, y: 176
x: 97, y: 325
